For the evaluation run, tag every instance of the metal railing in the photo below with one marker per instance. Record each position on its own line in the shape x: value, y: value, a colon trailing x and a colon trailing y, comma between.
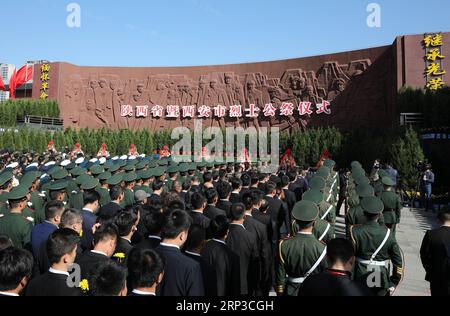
x: 411, y: 119
x: 38, y: 122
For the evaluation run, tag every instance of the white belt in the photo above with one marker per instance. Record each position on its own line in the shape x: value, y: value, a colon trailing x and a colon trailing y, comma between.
x: 327, y: 212
x: 296, y: 280
x: 373, y: 263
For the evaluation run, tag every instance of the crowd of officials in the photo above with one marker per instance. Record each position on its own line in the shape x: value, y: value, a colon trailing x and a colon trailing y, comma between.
x: 148, y: 226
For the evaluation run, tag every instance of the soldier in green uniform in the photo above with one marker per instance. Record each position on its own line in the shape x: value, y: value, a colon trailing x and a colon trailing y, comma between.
x: 57, y: 191
x: 327, y: 211
x: 392, y: 204
x: 375, y: 248
x: 5, y: 187
x: 14, y: 224
x: 76, y: 199
x: 129, y: 179
x: 323, y: 230
x: 302, y: 255
x: 31, y: 180
x: 355, y: 215
x: 173, y: 175
x: 103, y: 188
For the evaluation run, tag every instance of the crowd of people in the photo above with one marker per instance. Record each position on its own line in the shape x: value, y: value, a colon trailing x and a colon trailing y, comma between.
x: 146, y: 226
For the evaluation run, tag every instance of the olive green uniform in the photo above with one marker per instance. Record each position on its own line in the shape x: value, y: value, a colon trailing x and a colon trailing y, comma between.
x: 104, y: 196
x: 392, y: 208
x: 17, y: 228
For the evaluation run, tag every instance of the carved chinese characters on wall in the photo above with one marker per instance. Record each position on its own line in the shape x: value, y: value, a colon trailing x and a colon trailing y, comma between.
x: 219, y: 99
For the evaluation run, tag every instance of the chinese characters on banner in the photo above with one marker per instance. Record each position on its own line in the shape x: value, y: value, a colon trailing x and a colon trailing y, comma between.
x: 434, y: 71
x: 221, y: 111
x: 45, y: 78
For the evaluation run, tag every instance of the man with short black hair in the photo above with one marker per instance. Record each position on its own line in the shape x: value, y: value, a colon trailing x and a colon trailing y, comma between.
x: 146, y: 272
x: 336, y: 280
x: 211, y: 210
x: 158, y: 188
x: 183, y: 276
x: 91, y: 204
x: 108, y: 279
x: 225, y: 262
x: 153, y: 224
x: 15, y: 271
x: 111, y: 209
x: 224, y: 192
x: 126, y: 222
x: 236, y: 186
x: 243, y: 243
x: 198, y: 206
x: 105, y: 241
x: 435, y: 255
x: 40, y: 233
x: 61, y: 250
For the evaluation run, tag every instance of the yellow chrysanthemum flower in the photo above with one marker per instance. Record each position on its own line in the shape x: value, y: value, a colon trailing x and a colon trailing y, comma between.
x: 84, y: 285
x: 119, y: 255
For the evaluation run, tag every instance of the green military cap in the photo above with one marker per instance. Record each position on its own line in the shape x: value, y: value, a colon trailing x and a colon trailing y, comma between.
x: 322, y: 173
x: 138, y: 174
x: 129, y: 168
x: 122, y: 163
x: 58, y: 185
x: 365, y: 190
x: 313, y: 196
x: 89, y: 184
x: 210, y: 165
x: 146, y: 174
x: 60, y: 174
x: 358, y: 171
x: 29, y: 177
x: 388, y: 181
x: 201, y: 164
x: 382, y: 173
x: 361, y: 180
x: 372, y: 205
x: 114, y: 168
x: 96, y: 169
x: 141, y: 165
x: 18, y: 193
x: 158, y: 172
x: 329, y: 163
x: 5, y: 177
x: 77, y: 171
x: 305, y: 211
x: 183, y: 167
x: 83, y: 178
x: 192, y: 166
x: 115, y: 179
x: 132, y: 162
x: 172, y: 169
x: 317, y: 183
x: 355, y: 164
x: 70, y: 166
x: 163, y: 162
x: 104, y: 176
x: 129, y: 177
x: 153, y: 164
x: 325, y: 169
x: 53, y: 170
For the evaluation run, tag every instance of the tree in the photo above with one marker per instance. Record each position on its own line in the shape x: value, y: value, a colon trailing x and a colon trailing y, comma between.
x: 406, y: 152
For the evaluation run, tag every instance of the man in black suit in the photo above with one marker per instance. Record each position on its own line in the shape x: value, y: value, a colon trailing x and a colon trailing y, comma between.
x: 185, y: 194
x: 243, y: 243
x: 435, y: 255
x: 153, y: 223
x: 105, y: 241
x: 91, y: 204
x: 61, y: 250
x: 182, y: 275
x: 261, y: 275
x: 225, y: 262
x: 126, y: 222
x: 236, y: 186
x: 289, y: 196
x: 155, y: 198
x: 108, y: 211
x: 211, y: 210
x: 297, y: 184
x: 193, y: 249
x: 246, y: 181
x: 224, y: 192
x: 108, y: 279
x: 16, y: 267
x: 207, y: 182
x: 198, y: 202
x: 336, y: 280
x: 278, y: 214
x: 145, y: 272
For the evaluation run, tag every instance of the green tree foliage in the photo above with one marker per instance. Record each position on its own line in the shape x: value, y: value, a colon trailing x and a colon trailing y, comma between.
x: 11, y: 110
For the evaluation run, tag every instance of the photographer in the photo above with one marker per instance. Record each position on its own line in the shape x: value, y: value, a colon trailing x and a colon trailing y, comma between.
x: 426, y: 183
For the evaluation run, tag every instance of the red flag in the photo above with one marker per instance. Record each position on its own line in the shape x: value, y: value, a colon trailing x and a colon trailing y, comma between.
x: 24, y: 75
x: 2, y: 84
x: 12, y: 85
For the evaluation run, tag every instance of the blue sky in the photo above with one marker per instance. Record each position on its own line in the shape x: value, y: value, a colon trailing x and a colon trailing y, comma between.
x: 205, y: 32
